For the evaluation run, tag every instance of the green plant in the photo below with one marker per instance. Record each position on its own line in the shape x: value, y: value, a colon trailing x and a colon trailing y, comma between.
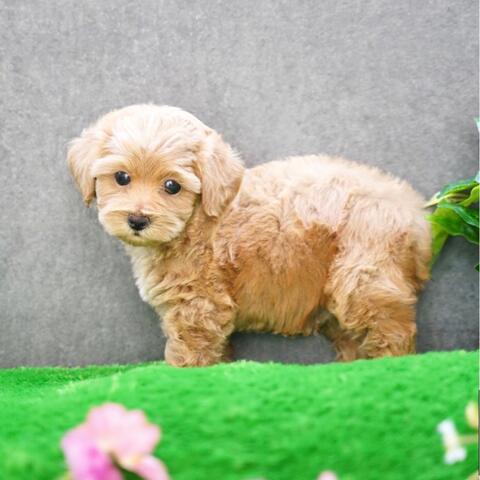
x: 456, y: 213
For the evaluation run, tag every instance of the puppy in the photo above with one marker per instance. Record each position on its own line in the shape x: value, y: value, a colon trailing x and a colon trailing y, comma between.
x: 299, y: 246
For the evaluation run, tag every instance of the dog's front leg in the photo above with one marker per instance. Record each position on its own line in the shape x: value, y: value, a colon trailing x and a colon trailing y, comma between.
x: 197, y: 333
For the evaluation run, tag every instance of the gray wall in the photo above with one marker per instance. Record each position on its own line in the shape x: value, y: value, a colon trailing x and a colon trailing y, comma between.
x: 385, y: 82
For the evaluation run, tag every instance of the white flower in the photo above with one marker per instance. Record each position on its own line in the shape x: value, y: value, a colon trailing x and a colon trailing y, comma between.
x: 454, y: 452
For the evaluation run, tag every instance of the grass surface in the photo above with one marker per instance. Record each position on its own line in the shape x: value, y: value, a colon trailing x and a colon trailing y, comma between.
x: 365, y: 420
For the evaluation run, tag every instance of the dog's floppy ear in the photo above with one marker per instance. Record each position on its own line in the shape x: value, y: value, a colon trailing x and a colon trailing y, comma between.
x: 220, y: 170
x: 83, y: 151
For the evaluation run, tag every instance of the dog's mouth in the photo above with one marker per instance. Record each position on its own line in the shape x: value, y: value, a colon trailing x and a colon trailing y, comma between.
x: 136, y: 239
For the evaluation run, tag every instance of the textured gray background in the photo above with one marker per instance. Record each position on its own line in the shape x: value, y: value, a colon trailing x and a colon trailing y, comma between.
x: 389, y: 83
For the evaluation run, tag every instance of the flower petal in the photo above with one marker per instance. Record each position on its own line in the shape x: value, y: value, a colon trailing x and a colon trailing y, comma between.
x: 136, y: 442
x: 105, y: 418
x: 454, y: 455
x: 471, y: 414
x: 121, y: 433
x: 327, y: 475
x: 85, y: 460
x: 454, y: 452
x: 150, y: 468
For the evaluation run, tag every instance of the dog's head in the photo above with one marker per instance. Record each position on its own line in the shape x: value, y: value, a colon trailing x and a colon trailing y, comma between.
x: 149, y: 168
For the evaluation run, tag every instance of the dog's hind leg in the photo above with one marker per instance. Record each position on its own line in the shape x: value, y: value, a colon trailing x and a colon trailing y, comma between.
x: 375, y: 312
x: 346, y: 346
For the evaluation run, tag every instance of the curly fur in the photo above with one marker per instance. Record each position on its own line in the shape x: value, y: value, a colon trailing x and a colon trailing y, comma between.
x: 299, y: 246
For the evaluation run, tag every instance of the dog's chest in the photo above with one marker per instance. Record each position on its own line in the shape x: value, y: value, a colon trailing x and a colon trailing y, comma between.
x: 147, y: 272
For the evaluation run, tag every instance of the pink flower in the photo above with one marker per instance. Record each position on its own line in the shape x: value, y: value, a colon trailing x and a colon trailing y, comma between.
x: 327, y: 475
x: 86, y: 461
x: 113, y: 436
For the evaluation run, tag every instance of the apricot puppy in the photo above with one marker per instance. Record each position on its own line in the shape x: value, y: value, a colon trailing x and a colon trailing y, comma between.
x: 298, y: 246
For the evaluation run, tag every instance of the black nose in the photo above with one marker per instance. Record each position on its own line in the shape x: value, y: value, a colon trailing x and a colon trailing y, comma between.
x: 138, y: 222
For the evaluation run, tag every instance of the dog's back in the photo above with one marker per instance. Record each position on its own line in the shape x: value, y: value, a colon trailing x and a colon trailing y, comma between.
x: 291, y: 224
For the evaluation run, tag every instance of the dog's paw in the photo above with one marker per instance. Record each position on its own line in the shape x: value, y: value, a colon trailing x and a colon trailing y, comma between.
x: 178, y: 355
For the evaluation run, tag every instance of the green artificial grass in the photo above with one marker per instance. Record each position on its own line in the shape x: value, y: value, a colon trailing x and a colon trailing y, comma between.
x: 364, y: 420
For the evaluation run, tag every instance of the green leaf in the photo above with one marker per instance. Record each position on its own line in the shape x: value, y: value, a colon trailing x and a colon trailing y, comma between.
x: 453, y: 224
x: 439, y: 237
x: 472, y: 198
x: 468, y: 215
x: 477, y: 267
x: 457, y: 197
x: 456, y: 191
x: 459, y: 186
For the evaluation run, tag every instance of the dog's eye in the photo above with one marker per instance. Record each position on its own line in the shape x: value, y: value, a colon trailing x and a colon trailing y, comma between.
x: 122, y: 178
x: 172, y: 187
